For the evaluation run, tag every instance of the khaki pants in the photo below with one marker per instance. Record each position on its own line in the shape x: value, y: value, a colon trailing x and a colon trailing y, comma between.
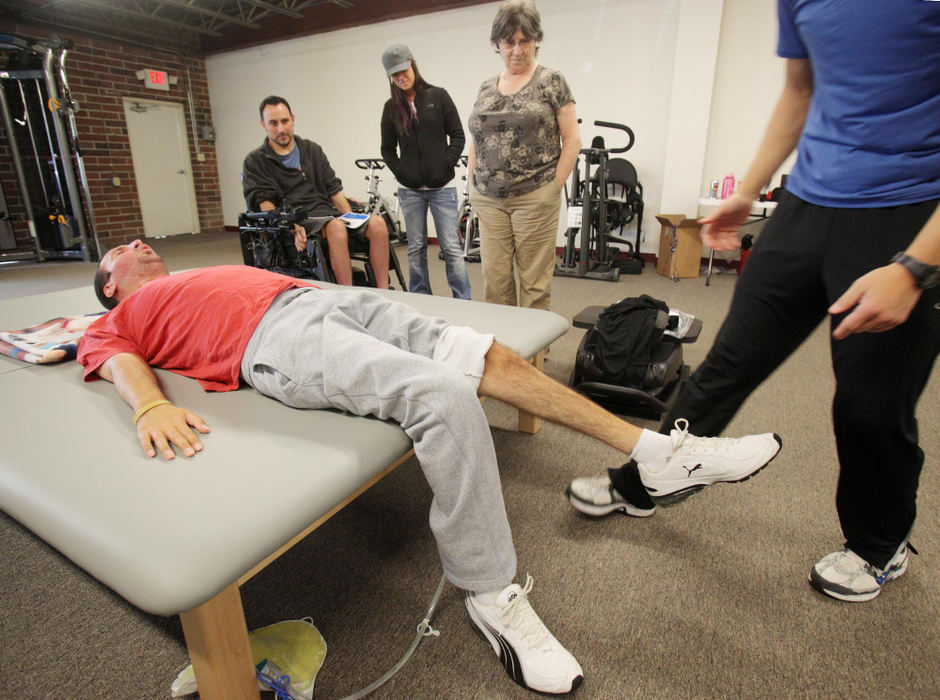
x: 518, y: 231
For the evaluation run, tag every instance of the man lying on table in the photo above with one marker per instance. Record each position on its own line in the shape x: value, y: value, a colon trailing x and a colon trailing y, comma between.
x: 358, y: 351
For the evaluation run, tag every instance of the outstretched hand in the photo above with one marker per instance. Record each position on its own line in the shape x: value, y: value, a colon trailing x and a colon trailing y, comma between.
x: 163, y: 426
x: 883, y: 299
x: 720, y: 228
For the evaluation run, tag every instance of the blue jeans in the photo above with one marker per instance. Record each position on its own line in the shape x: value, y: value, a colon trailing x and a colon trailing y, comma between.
x: 443, y: 205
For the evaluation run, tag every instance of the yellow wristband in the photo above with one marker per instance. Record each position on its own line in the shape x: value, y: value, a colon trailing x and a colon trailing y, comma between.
x: 152, y: 404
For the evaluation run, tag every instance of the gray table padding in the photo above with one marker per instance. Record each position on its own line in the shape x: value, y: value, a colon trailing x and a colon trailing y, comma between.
x: 169, y: 536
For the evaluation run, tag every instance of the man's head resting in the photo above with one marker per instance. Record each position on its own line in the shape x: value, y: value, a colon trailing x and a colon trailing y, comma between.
x: 125, y: 269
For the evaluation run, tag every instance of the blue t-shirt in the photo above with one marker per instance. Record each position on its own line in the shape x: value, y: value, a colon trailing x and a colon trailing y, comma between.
x: 872, y: 135
x: 292, y: 159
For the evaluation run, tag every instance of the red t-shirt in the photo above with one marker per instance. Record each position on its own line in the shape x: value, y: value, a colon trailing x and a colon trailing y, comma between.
x: 194, y: 323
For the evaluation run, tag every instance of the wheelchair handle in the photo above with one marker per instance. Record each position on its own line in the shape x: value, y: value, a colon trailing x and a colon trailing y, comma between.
x: 366, y: 163
x: 621, y: 127
x: 261, y: 215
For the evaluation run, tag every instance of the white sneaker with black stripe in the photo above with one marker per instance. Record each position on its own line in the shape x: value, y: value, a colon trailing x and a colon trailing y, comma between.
x: 846, y: 576
x: 532, y: 656
x: 697, y: 462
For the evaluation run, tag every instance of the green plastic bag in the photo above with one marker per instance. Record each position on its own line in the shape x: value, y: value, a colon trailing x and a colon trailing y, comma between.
x: 295, y: 647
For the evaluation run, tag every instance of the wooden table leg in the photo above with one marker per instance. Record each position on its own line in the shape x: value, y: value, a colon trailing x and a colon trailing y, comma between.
x: 217, y: 639
x: 527, y: 422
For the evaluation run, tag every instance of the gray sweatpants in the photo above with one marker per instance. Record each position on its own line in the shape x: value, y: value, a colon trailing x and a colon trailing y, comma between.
x: 357, y: 351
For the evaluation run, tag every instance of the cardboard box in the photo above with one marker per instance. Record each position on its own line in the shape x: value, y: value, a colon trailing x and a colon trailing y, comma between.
x: 680, y: 246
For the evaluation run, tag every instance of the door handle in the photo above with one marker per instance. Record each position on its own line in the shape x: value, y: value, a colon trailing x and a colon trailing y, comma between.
x: 181, y: 172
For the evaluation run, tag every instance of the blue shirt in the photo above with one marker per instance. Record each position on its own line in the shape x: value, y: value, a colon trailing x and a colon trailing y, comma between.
x: 872, y: 135
x: 292, y: 159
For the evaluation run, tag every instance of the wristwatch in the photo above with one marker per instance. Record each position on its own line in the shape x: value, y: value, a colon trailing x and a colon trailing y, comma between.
x: 925, y: 276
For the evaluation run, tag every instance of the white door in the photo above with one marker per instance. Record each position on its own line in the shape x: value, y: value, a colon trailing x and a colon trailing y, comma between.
x: 160, y: 151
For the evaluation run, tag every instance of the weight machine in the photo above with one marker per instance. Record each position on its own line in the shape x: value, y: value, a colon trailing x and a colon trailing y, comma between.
x: 39, y: 123
x: 608, y: 196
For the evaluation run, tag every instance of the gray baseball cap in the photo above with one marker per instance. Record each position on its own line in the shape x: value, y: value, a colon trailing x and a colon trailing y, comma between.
x: 396, y: 58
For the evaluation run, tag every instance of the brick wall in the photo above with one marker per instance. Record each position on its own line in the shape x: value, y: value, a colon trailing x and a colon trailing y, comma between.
x: 100, y: 75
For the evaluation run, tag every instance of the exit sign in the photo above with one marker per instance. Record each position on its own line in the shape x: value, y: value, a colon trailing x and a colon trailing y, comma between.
x: 156, y: 80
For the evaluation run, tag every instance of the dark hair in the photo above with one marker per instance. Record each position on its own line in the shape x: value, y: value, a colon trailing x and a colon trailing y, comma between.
x: 271, y: 101
x: 102, y: 277
x: 513, y: 15
x: 402, y: 116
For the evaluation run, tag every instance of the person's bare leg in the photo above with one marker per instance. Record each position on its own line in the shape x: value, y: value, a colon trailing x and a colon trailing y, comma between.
x: 377, y: 233
x: 509, y: 378
x: 335, y: 233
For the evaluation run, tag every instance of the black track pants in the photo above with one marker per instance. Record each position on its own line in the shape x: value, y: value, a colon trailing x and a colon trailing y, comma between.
x: 806, y: 257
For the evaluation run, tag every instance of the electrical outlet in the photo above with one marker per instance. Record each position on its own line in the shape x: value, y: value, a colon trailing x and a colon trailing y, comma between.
x: 201, y: 157
x: 116, y: 181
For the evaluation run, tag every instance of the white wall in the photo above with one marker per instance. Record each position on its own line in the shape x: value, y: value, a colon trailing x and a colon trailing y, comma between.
x: 748, y: 81
x: 620, y: 57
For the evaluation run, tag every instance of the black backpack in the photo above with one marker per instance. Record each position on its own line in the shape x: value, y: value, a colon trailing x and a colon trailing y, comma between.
x: 619, y: 349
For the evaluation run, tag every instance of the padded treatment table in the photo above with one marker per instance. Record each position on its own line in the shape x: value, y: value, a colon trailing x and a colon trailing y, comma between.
x: 178, y: 537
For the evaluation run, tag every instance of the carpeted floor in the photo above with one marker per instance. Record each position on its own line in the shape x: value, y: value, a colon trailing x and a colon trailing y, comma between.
x: 706, y: 599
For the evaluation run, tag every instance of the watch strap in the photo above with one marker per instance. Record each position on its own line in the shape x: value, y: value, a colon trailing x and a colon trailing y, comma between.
x: 925, y: 276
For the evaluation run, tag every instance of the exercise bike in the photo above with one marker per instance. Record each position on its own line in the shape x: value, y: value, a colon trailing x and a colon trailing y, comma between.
x: 594, y: 212
x: 468, y: 225
x: 379, y: 205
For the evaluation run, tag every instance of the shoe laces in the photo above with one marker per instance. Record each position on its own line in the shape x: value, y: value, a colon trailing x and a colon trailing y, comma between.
x: 849, y: 563
x: 518, y: 614
x: 682, y: 440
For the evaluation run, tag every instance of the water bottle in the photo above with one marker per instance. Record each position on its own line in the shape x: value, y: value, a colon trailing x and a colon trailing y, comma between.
x: 727, y: 186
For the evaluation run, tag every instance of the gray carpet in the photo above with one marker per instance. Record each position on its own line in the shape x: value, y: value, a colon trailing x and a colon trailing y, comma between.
x: 706, y: 599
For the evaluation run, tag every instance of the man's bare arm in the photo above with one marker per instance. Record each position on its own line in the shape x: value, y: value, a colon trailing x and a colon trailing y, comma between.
x: 885, y: 297
x: 164, y: 424
x: 720, y: 227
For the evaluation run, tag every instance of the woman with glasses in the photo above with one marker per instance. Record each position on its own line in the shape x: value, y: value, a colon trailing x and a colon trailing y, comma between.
x: 422, y: 141
x: 525, y: 141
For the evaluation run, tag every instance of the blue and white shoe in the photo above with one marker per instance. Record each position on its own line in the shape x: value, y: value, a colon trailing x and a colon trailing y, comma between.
x: 532, y: 656
x: 846, y: 576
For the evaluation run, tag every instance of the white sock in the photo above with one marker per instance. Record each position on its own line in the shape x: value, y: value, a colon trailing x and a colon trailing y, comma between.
x: 651, y: 447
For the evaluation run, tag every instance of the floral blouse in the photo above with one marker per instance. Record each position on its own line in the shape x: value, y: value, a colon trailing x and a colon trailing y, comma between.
x: 516, y: 137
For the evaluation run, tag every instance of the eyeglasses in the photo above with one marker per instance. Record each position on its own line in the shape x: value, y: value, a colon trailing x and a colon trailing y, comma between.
x: 510, y: 44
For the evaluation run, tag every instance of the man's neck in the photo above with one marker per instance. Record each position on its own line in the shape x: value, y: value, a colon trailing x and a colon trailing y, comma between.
x: 282, y: 150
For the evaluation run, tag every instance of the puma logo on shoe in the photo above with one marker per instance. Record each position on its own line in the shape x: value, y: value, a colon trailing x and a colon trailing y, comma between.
x: 693, y: 469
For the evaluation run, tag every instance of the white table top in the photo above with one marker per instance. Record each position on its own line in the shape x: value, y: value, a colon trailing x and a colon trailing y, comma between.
x: 757, y: 208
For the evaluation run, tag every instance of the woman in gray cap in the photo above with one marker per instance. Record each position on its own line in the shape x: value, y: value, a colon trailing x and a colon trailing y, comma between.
x: 422, y: 140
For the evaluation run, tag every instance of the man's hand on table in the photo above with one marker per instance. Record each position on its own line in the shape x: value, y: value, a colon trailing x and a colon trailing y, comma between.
x: 163, y: 426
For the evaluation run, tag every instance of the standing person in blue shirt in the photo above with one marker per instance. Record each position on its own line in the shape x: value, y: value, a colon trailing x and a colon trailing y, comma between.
x: 855, y: 237
x: 421, y: 142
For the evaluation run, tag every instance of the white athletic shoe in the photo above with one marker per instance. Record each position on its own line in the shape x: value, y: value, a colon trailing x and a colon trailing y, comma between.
x: 846, y: 576
x: 532, y: 656
x: 596, y: 495
x: 697, y: 462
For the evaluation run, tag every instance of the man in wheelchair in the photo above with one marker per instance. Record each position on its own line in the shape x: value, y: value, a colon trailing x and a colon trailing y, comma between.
x: 288, y: 172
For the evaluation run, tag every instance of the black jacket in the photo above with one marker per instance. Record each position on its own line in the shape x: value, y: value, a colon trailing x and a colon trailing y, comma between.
x: 424, y: 158
x: 265, y: 177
